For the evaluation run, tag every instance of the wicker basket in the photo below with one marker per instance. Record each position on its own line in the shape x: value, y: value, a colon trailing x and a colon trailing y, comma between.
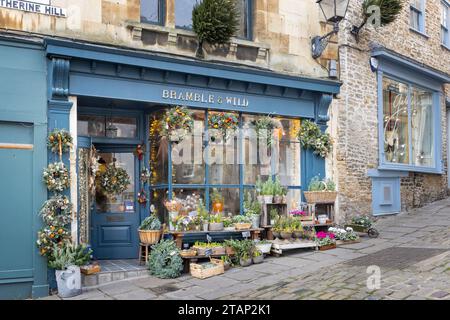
x: 320, y: 196
x: 197, y: 270
x: 149, y: 236
x: 242, y: 226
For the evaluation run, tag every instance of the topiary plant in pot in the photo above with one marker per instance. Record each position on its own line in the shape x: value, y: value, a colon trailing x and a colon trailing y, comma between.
x: 150, y: 230
x: 215, y: 22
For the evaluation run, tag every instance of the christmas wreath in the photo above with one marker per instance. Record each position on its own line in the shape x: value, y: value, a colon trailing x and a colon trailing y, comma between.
x: 221, y: 124
x: 56, y: 177
x: 114, y: 180
x: 57, y: 137
x: 165, y: 260
x: 57, y: 211
x: 50, y: 236
x: 145, y: 175
x: 214, y: 21
x: 311, y: 137
x: 177, y: 123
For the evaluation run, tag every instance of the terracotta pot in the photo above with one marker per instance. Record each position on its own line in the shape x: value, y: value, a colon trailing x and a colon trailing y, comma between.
x: 277, y: 199
x: 217, y: 207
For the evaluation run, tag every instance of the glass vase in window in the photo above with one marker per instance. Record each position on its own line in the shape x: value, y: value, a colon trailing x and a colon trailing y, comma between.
x: 422, y: 132
x: 395, y: 121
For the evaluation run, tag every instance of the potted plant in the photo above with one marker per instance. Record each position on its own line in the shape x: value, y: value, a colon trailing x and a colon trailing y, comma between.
x: 252, y: 209
x: 216, y: 201
x: 258, y: 257
x: 229, y: 247
x: 325, y: 240
x: 242, y: 222
x: 264, y: 246
x: 277, y: 190
x: 215, y: 222
x: 258, y: 187
x: 66, y: 260
x: 267, y: 190
x: 284, y: 192
x: 276, y: 229
x: 273, y: 213
x: 203, y: 215
x: 321, y: 191
x: 297, y: 228
x: 226, y: 262
x: 344, y: 236
x: 228, y: 224
x: 150, y: 230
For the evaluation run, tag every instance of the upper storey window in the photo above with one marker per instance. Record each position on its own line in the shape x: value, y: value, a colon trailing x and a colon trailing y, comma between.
x: 417, y: 15
x: 152, y: 11
x: 445, y: 24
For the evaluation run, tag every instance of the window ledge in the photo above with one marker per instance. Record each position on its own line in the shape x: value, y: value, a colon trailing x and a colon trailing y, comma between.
x: 409, y: 168
x: 445, y: 47
x: 173, y: 33
x: 421, y: 33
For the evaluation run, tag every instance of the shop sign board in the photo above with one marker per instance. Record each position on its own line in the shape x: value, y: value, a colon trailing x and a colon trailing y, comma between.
x: 36, y: 6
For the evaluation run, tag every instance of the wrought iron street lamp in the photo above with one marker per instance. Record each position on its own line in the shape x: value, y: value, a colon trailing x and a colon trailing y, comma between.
x: 334, y: 11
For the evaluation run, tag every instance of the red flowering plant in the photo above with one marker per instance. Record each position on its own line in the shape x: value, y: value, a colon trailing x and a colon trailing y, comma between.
x: 222, y: 123
x: 325, y: 238
x: 298, y: 213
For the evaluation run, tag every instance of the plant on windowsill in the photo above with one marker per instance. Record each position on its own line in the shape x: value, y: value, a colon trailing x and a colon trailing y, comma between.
x: 177, y: 123
x: 321, y: 191
x: 150, y: 229
x: 311, y: 137
x: 214, y: 22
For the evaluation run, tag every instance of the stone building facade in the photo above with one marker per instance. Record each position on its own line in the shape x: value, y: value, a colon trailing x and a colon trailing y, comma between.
x: 355, y: 118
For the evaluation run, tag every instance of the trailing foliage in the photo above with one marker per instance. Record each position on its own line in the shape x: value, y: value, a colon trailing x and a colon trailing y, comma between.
x: 68, y: 254
x: 214, y: 21
x: 165, y: 260
x: 389, y: 9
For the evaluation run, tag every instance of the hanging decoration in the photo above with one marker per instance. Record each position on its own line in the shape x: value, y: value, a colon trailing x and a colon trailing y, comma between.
x: 265, y: 127
x: 140, y: 152
x: 177, y: 123
x: 222, y: 124
x: 57, y: 210
x: 142, y: 196
x: 114, y: 180
x: 59, y: 141
x: 56, y: 177
x: 51, y: 236
x: 145, y: 175
x: 311, y: 137
x: 215, y: 22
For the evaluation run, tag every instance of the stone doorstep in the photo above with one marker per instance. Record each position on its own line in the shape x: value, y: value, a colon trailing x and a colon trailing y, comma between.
x: 98, y: 279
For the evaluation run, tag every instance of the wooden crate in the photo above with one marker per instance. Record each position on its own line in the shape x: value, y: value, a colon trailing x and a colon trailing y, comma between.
x: 197, y: 270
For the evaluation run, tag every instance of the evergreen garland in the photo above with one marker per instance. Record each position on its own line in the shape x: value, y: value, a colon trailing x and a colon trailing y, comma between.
x: 165, y: 260
x: 389, y: 9
x: 214, y: 21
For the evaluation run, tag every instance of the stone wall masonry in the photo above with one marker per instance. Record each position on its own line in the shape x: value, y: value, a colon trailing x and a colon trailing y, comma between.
x: 354, y: 124
x: 282, y: 31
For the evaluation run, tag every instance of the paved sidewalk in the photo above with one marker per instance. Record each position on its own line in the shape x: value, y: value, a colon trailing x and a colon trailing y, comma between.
x: 412, y: 252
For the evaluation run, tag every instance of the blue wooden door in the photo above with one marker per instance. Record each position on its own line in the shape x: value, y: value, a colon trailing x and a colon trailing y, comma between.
x: 115, y: 218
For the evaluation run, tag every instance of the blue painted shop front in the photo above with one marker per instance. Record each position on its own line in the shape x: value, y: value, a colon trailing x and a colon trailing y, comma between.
x: 122, y: 84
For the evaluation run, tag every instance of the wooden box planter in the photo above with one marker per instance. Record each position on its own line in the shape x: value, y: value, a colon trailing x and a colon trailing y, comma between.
x: 242, y: 226
x: 218, y: 250
x: 188, y: 253
x: 320, y: 196
x: 327, y: 247
x: 198, y: 271
x: 149, y: 236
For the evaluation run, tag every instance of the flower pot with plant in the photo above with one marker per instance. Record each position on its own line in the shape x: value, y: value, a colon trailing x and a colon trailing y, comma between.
x: 66, y: 260
x: 264, y: 246
x: 325, y: 240
x: 277, y: 190
x: 216, y: 201
x: 258, y: 187
x: 267, y: 190
x: 258, y: 257
x: 215, y: 222
x: 273, y: 213
x: 252, y: 209
x: 242, y: 222
x: 228, y: 224
x: 150, y: 230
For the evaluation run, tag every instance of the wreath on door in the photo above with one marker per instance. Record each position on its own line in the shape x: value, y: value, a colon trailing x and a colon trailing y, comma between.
x: 114, y: 180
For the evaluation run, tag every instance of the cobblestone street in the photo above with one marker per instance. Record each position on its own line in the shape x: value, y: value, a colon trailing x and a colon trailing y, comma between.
x: 412, y: 252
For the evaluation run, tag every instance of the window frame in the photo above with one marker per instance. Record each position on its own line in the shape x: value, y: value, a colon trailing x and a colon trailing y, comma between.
x: 436, y: 107
x: 445, y: 29
x: 421, y: 13
x: 207, y: 186
x: 161, y: 14
x: 248, y: 21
